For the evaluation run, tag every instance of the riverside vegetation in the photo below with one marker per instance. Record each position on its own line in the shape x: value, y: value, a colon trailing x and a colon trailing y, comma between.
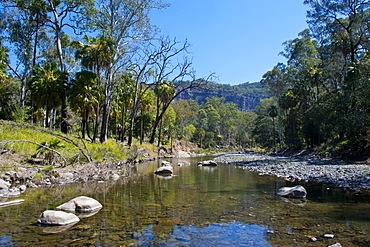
x: 107, y: 81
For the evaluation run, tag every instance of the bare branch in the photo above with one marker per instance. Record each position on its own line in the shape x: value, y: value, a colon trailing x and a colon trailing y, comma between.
x: 38, y: 144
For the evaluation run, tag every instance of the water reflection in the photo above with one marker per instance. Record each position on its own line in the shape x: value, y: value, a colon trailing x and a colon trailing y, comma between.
x: 56, y: 229
x: 222, y: 206
x: 227, y: 234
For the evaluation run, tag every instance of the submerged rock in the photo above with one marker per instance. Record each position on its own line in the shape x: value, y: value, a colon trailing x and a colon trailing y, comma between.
x: 207, y: 163
x: 11, y: 203
x: 81, y: 204
x: 57, y: 218
x: 293, y: 192
x: 336, y: 245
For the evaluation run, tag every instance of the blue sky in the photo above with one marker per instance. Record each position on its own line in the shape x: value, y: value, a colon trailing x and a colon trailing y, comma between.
x: 238, y: 40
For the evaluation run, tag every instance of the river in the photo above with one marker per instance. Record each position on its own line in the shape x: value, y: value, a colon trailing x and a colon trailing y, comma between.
x: 198, y: 206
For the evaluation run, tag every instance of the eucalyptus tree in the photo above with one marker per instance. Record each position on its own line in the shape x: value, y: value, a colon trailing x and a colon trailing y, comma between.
x: 303, y: 72
x: 262, y: 131
x: 342, y: 22
x: 127, y: 24
x: 159, y: 64
x: 7, y: 106
x: 342, y: 29
x: 229, y: 114
x: 23, y: 21
x: 60, y: 15
x: 185, y: 116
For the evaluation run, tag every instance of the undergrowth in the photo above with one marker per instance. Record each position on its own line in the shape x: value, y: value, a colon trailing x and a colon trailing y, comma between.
x: 26, y: 141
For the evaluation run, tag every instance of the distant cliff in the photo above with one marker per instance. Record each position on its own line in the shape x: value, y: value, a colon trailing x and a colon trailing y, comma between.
x: 247, y: 95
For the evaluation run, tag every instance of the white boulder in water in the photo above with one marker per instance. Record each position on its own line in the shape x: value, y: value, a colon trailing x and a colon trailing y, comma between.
x: 57, y: 218
x: 207, y: 163
x: 293, y: 192
x: 81, y: 204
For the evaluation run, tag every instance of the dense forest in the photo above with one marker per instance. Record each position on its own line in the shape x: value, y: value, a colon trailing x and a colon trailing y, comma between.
x: 99, y: 69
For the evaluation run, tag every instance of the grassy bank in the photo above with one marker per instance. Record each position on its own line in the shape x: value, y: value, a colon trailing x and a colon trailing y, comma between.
x: 21, y: 143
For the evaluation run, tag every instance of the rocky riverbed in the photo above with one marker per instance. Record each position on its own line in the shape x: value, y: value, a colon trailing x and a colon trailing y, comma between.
x: 337, y: 173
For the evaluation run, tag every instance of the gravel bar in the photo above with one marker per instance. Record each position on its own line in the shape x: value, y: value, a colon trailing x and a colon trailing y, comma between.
x: 337, y: 173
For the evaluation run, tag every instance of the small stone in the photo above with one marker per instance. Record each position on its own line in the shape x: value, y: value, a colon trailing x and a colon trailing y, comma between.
x: 31, y: 184
x: 336, y: 245
x: 23, y: 188
x: 115, y: 177
x: 313, y: 239
x: 328, y: 236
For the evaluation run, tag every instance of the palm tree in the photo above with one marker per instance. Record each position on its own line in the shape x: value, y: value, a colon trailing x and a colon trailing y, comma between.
x: 146, y: 104
x: 98, y: 55
x: 164, y: 92
x: 124, y: 99
x: 47, y: 87
x: 84, y: 97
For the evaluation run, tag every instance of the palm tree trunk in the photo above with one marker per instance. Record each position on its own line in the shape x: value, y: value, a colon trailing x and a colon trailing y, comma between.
x: 96, y: 127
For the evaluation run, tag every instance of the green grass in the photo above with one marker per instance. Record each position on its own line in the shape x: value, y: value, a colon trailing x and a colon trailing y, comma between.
x: 111, y: 150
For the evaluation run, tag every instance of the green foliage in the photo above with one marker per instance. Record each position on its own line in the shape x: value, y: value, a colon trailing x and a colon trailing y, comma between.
x: 323, y: 91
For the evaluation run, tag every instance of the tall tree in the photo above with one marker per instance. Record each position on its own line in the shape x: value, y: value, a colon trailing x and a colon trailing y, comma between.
x: 126, y: 23
x: 98, y: 55
x: 84, y: 97
x: 47, y: 88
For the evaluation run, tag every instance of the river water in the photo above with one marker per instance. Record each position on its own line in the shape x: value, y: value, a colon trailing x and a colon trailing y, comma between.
x: 199, y: 206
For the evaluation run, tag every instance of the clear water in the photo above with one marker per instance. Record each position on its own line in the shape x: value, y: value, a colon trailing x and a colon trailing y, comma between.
x: 199, y: 206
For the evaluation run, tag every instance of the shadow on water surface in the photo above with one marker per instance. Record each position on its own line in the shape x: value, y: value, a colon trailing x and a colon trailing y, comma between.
x: 221, y: 206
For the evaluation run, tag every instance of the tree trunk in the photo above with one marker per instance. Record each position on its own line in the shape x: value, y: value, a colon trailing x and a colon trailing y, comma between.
x: 141, y: 128
x: 58, y: 40
x: 107, y: 106
x: 123, y: 128
x: 96, y: 127
x: 160, y: 133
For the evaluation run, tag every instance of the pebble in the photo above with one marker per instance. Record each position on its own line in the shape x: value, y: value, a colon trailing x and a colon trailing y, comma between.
x: 336, y: 245
x: 328, y: 236
x: 313, y: 239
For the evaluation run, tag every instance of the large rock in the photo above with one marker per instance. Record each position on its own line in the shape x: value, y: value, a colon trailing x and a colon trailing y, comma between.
x: 164, y: 170
x: 4, y: 185
x: 4, y: 188
x: 207, y: 163
x: 293, y: 192
x: 81, y: 204
x: 57, y: 218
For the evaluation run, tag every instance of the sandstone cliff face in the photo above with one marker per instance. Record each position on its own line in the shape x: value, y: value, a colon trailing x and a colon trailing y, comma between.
x: 246, y: 96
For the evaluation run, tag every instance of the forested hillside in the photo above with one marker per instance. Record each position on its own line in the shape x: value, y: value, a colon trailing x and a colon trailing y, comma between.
x: 246, y: 96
